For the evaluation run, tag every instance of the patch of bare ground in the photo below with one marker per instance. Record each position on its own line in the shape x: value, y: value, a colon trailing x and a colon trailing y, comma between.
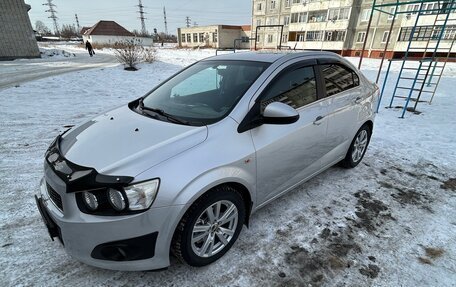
x: 432, y: 253
x: 370, y: 270
x: 371, y: 212
x: 449, y: 184
x: 315, y: 266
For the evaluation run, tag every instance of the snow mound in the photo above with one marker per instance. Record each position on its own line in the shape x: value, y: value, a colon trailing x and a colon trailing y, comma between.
x: 48, y: 53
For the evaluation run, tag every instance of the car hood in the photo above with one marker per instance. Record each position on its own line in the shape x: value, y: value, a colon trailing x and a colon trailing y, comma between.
x: 123, y: 142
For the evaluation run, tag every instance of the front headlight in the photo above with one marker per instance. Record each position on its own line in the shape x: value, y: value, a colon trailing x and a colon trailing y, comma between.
x: 141, y: 195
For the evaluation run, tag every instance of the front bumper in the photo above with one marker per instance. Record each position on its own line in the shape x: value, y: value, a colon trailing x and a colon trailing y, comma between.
x: 131, y: 243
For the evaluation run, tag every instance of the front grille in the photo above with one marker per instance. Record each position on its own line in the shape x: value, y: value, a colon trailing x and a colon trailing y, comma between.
x: 55, y: 197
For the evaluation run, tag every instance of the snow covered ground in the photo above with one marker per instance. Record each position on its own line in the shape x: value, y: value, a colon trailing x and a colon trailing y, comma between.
x: 56, y: 60
x: 389, y: 222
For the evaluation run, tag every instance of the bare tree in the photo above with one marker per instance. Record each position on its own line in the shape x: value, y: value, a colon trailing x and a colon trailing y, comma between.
x: 41, y: 28
x: 68, y: 31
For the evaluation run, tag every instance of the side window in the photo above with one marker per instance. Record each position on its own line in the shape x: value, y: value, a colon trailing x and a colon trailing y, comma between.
x: 295, y: 88
x: 338, y: 78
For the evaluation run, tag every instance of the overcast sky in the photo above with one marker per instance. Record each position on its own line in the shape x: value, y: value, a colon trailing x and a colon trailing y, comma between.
x: 124, y: 12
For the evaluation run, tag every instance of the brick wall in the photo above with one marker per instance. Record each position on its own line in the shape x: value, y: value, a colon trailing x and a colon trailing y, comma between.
x: 17, y: 39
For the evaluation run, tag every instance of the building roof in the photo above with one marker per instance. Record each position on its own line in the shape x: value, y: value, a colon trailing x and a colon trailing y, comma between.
x: 246, y: 27
x: 85, y: 29
x: 108, y: 28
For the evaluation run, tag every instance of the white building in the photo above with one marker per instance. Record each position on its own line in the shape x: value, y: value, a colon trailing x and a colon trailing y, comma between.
x: 110, y: 33
x: 214, y: 36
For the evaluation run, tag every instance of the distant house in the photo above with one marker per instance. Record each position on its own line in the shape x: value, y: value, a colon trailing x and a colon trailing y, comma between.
x: 215, y: 36
x: 17, y: 39
x: 109, y: 32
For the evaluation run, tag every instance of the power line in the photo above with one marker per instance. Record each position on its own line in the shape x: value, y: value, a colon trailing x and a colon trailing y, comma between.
x: 166, y: 23
x: 53, y: 16
x: 141, y: 16
x: 187, y: 21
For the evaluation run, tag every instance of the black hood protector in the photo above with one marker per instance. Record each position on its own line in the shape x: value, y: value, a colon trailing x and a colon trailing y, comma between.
x: 77, y: 177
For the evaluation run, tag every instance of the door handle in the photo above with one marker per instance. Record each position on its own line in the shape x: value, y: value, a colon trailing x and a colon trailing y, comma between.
x: 318, y: 120
x: 358, y: 100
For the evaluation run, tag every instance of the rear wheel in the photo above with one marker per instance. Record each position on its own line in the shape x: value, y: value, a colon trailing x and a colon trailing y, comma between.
x: 357, y: 148
x: 210, y: 227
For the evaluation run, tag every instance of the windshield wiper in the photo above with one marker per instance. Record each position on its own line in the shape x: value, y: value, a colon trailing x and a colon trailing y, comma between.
x: 162, y: 113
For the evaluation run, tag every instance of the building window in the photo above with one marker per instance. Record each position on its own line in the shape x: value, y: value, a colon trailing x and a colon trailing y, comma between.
x: 259, y: 6
x: 299, y: 17
x: 392, y: 10
x: 287, y: 3
x: 424, y: 33
x: 317, y: 16
x: 338, y: 14
x: 189, y: 38
x: 273, y: 4
x: 201, y: 37
x: 286, y: 20
x: 214, y: 37
x: 271, y: 21
x: 270, y: 38
x: 385, y: 36
x: 314, y: 35
x: 360, y: 37
x: 413, y: 8
x: 183, y: 38
x: 296, y: 1
x: 258, y: 22
x: 195, y: 37
x: 284, y: 38
x: 301, y: 37
x: 365, y: 15
x: 335, y: 36
x: 449, y: 33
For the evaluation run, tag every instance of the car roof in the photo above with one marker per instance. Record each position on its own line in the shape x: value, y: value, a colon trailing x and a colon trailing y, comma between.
x: 268, y: 57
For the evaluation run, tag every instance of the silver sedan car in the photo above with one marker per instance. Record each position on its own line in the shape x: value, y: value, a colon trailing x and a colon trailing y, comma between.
x: 181, y: 169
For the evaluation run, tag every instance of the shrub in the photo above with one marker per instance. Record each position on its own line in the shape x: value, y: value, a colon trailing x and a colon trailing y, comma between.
x: 149, y: 54
x: 129, y: 53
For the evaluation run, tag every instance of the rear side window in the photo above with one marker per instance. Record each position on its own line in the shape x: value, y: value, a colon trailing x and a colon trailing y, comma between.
x: 338, y: 78
x: 295, y: 88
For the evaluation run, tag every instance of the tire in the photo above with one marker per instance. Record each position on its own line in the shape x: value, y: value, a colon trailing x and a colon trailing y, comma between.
x: 198, y: 253
x: 350, y: 160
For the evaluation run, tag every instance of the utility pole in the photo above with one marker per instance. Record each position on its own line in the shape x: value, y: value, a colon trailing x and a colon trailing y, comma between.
x: 166, y: 23
x: 141, y: 16
x: 77, y: 23
x: 53, y: 16
x: 187, y: 21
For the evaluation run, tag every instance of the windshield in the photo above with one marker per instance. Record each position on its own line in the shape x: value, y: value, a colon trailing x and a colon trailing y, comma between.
x: 203, y: 93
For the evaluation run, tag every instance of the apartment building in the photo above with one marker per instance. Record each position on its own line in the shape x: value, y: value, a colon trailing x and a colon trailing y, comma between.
x: 214, y: 36
x: 340, y: 26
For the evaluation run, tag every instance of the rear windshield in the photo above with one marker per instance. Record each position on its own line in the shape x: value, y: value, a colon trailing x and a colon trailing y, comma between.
x: 205, y: 92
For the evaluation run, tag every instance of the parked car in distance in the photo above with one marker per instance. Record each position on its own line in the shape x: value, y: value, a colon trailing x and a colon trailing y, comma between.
x: 183, y: 168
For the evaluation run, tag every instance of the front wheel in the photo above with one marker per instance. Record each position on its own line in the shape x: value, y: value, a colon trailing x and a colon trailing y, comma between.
x: 210, y: 227
x: 357, y: 148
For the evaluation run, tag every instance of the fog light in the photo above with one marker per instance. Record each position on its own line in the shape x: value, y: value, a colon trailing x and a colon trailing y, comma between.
x: 116, y: 199
x: 90, y: 200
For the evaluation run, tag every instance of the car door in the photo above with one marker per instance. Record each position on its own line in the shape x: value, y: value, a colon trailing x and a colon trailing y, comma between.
x: 343, y: 98
x: 287, y: 154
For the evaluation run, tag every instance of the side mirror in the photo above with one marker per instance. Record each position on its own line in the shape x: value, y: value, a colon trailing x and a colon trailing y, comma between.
x: 279, y: 114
